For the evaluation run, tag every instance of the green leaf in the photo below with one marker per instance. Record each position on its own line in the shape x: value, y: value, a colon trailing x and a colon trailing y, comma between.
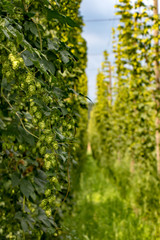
x: 53, y: 14
x: 47, y: 2
x: 5, y: 85
x: 18, y: 215
x: 80, y: 94
x: 47, y: 113
x: 32, y: 162
x: 31, y: 27
x: 58, y: 92
x: 6, y: 33
x: 7, y: 185
x: 71, y: 23
x: 60, y: 135
x: 2, y: 124
x: 24, y: 225
x: 53, y: 45
x: 14, y: 32
x: 39, y: 102
x: 65, y: 56
x: 27, y: 115
x: 64, y: 111
x: 30, y: 221
x: 33, y: 196
x: 26, y: 187
x: 43, y: 218
x: 26, y: 55
x: 12, y: 129
x: 30, y: 14
x: 41, y: 183
x: 25, y: 136
x: 15, y: 178
x: 63, y: 157
x: 41, y: 174
x: 58, y: 186
x: 48, y: 66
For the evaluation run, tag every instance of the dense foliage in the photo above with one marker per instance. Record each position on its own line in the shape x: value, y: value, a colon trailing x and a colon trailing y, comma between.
x: 124, y: 132
x: 42, y: 63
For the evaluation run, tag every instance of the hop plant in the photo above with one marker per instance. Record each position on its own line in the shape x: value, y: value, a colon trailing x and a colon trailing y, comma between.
x: 42, y: 124
x: 31, y: 89
x: 55, y: 145
x: 48, y: 192
x: 42, y: 150
x: 52, y: 199
x: 47, y: 165
x: 38, y: 115
x: 16, y: 61
x: 43, y: 203
x: 49, y: 139
x: 49, y: 212
x: 30, y: 78
x: 54, y: 180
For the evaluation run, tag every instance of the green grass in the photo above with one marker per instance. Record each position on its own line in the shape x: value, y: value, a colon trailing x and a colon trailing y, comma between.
x: 100, y: 211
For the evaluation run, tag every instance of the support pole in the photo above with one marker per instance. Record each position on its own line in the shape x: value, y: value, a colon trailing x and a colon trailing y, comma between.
x: 110, y: 83
x: 157, y: 78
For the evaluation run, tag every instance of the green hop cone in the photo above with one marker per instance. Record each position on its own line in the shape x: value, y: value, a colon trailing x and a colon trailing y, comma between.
x: 55, y: 145
x: 43, y: 203
x: 42, y: 125
x: 42, y: 150
x: 54, y: 180
x: 34, y: 120
x: 31, y: 89
x: 38, y: 85
x: 47, y: 165
x: 49, y: 139
x: 52, y: 199
x: 48, y: 212
x: 38, y: 115
x: 47, y: 156
x: 48, y: 192
x: 34, y: 109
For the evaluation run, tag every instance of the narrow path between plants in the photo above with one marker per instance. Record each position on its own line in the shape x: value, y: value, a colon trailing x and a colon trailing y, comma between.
x: 100, y: 212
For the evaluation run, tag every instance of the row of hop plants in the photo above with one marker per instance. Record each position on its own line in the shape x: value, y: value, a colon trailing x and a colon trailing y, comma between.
x: 43, y: 84
x: 122, y: 129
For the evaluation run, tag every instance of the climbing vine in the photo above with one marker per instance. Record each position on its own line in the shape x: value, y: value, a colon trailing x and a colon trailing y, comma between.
x: 126, y: 132
x: 41, y: 68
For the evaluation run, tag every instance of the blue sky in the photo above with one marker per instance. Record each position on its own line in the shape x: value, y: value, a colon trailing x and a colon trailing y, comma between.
x: 98, y: 35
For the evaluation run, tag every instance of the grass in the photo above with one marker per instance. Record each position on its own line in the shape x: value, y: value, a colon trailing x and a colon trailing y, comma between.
x: 100, y: 211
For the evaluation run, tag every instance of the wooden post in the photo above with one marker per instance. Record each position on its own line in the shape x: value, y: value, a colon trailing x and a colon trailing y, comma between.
x: 110, y: 83
x: 157, y: 78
